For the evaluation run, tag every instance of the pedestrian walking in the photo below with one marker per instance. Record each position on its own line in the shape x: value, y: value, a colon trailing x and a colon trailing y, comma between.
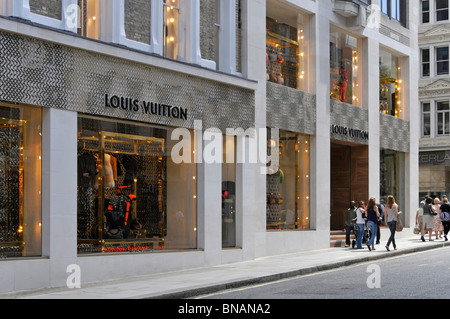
x: 445, y: 216
x: 360, y: 223
x: 390, y: 216
x: 350, y: 222
x: 380, y: 219
x: 437, y: 225
x: 419, y: 217
x: 428, y: 220
x: 373, y: 215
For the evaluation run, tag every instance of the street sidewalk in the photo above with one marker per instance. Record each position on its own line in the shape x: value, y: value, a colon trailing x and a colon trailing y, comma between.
x: 189, y: 283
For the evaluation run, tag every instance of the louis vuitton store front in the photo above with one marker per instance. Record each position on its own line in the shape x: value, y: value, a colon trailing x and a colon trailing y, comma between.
x: 88, y: 174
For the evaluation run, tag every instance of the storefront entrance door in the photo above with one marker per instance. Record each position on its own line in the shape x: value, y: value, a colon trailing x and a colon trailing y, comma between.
x: 349, y: 180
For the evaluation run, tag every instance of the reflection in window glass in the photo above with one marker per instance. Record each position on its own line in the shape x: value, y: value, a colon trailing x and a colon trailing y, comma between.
x: 286, y: 54
x: 443, y: 118
x: 20, y: 182
x: 89, y: 18
x: 47, y: 8
x: 229, y: 192
x: 442, y: 61
x: 288, y: 189
x: 137, y: 20
x: 441, y: 10
x: 131, y: 196
x: 426, y: 119
x: 171, y: 13
x: 344, y: 67
x: 390, y: 84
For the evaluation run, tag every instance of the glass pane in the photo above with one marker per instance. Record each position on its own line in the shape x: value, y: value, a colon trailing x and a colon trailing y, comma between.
x: 344, y: 67
x: 443, y: 106
x: 426, y: 107
x: 425, y: 6
x: 441, y: 4
x: 132, y: 197
x: 20, y: 182
x: 47, y: 8
x: 447, y: 123
x: 425, y: 17
x: 89, y: 11
x: 442, y: 53
x: 426, y: 69
x: 288, y: 189
x: 390, y: 82
x: 171, y: 15
x: 426, y: 55
x: 137, y: 20
x: 229, y: 192
x: 209, y: 30
x: 441, y: 15
x: 426, y: 125
x: 442, y: 68
x: 440, y: 123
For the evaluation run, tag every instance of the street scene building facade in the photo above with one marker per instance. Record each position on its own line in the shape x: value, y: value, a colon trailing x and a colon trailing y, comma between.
x: 434, y: 93
x: 146, y: 136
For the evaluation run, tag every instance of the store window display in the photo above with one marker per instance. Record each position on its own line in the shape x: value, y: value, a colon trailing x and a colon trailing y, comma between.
x: 131, y: 196
x: 20, y: 181
x: 286, y: 54
x: 288, y: 188
x: 390, y: 84
x: 344, y: 67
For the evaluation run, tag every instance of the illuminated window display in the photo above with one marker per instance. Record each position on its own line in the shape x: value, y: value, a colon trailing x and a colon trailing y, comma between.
x: 20, y: 182
x: 286, y: 54
x: 229, y: 192
x: 171, y: 13
x: 89, y: 16
x: 288, y: 189
x: 390, y: 84
x: 131, y: 196
x: 344, y: 67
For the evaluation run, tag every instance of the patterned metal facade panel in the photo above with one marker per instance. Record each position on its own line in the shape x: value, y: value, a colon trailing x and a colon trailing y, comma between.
x: 46, y: 74
x: 352, y: 119
x: 290, y: 109
x: 394, y: 133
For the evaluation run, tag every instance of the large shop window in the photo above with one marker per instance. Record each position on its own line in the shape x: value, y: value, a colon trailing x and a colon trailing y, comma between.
x: 390, y: 84
x: 288, y: 189
x: 131, y: 196
x: 20, y: 182
x: 392, y: 177
x: 286, y: 55
x: 344, y: 67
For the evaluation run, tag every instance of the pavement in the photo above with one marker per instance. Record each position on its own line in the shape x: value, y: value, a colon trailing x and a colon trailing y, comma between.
x: 196, y: 282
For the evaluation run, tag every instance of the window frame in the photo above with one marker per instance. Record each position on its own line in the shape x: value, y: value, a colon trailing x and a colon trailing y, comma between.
x: 423, y: 113
x: 428, y: 12
x: 438, y: 73
x: 423, y: 62
x: 445, y: 119
x: 439, y: 10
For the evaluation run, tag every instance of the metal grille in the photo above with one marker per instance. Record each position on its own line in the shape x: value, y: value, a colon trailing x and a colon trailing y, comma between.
x: 46, y: 74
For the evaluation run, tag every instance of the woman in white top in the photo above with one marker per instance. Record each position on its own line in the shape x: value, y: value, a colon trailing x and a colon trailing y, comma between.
x: 360, y: 223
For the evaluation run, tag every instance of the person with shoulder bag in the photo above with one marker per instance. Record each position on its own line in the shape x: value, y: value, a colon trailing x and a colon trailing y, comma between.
x: 391, y: 214
x: 445, y: 217
x: 428, y: 218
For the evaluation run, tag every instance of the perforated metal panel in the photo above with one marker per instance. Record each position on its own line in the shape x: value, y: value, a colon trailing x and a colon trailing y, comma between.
x: 46, y: 74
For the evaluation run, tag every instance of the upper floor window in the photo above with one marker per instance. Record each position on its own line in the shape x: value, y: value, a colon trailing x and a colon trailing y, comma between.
x: 89, y: 18
x: 344, y: 78
x: 443, y: 118
x: 426, y: 119
x: 286, y: 53
x: 425, y: 11
x: 395, y: 9
x: 425, y: 62
x: 442, y: 61
x: 390, y: 84
x: 441, y: 10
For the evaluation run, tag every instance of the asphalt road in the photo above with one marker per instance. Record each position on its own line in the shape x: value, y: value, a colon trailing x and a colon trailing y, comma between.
x: 424, y: 275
